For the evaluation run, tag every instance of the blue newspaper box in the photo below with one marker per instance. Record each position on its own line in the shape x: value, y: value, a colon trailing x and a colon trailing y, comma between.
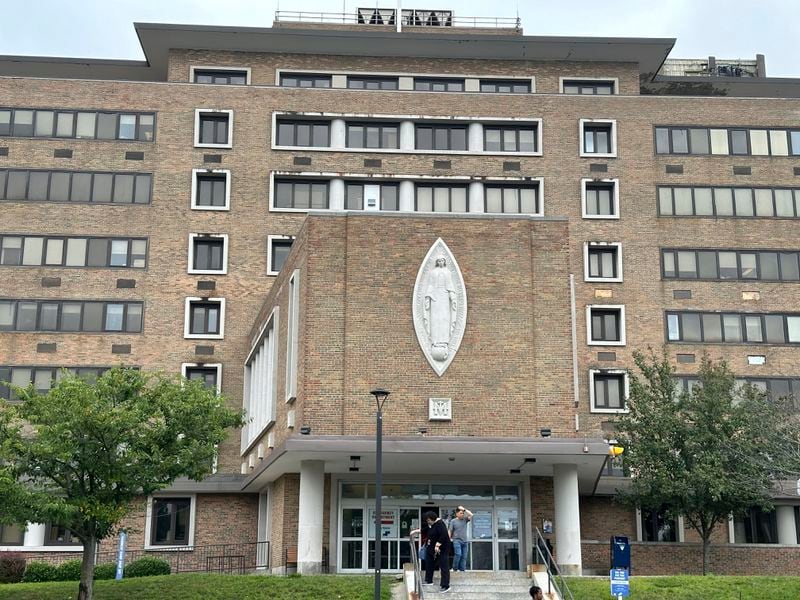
x: 620, y: 552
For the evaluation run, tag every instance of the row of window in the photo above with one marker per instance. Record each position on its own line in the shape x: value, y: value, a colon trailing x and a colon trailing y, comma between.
x: 75, y: 186
x: 728, y: 202
x: 738, y: 141
x: 775, y: 387
x: 766, y: 265
x: 70, y: 315
x: 733, y: 328
x: 77, y: 124
x: 58, y: 251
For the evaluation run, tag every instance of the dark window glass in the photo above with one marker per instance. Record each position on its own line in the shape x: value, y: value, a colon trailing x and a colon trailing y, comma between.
x: 93, y: 316
x: 305, y: 80
x: 102, y: 185
x: 106, y: 126
x: 71, y: 316
x: 23, y: 123
x: 441, y: 137
x: 81, y: 187
x: 372, y: 83
x: 204, y: 318
x: 170, y: 525
x: 373, y: 135
x: 98, y: 252
x: 600, y: 199
x: 208, y: 254
x: 656, y: 527
x: 739, y: 141
x: 511, y: 199
x: 605, y: 325
x: 505, y: 86
x: 597, y: 139
x: 208, y: 375
x: 211, y: 190
x: 609, y: 391
x: 48, y: 316
x: 756, y: 527
x: 314, y: 134
x: 662, y: 140
x: 428, y: 84
x: 57, y: 535
x: 220, y: 77
x: 17, y: 185
x: 10, y: 535
x: 59, y: 186
x: 509, y: 139
x: 123, y: 188
x: 301, y: 195
x: 280, y: 250
x: 603, y: 262
x: 214, y: 129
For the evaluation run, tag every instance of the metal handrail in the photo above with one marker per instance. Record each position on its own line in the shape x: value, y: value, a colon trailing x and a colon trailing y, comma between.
x: 413, y: 537
x: 554, y: 577
x: 389, y: 19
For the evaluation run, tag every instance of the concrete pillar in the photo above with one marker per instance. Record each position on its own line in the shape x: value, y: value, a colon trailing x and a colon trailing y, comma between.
x: 476, y: 197
x: 405, y: 83
x: 475, y: 137
x: 406, y: 135
x: 336, y: 200
x: 567, y: 519
x: 309, y: 517
x: 34, y: 535
x: 787, y: 530
x: 338, y: 134
x: 339, y: 81
x: 472, y: 85
x: 406, y: 193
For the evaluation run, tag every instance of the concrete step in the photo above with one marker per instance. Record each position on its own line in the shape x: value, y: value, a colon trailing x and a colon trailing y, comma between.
x: 472, y: 585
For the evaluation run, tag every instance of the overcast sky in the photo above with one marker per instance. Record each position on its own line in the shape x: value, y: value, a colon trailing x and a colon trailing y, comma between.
x: 722, y: 28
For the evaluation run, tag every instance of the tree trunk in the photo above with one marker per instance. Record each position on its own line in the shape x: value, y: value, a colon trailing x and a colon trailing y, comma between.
x: 87, y: 568
x: 706, y: 551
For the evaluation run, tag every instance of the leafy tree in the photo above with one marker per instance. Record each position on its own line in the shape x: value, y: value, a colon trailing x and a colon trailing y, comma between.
x: 707, y: 454
x: 79, y: 455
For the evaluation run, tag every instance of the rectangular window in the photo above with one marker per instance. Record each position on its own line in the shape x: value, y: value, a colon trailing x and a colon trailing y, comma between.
x: 277, y: 251
x: 213, y: 128
x: 211, y: 190
x: 170, y: 524
x: 505, y: 86
x: 208, y: 374
x: 292, y: 336
x: 64, y: 316
x: 509, y: 138
x: 441, y: 137
x: 764, y: 265
x: 56, y: 535
x: 372, y: 83
x: 738, y: 141
x: 600, y: 199
x: 606, y: 325
x: 441, y: 198
x: 208, y: 253
x: 608, y: 391
x: 733, y: 328
x: 656, y: 527
x: 260, y: 384
x: 738, y: 202
x: 756, y: 527
x: 438, y: 84
x: 205, y: 318
x: 373, y: 135
x: 23, y: 122
x: 74, y: 186
x: 305, y: 80
x: 312, y: 134
x: 598, y: 138
x: 220, y: 76
x: 300, y: 195
x: 37, y: 251
x: 512, y: 199
x: 603, y: 262
x: 588, y: 87
x: 11, y: 535
x: 369, y: 196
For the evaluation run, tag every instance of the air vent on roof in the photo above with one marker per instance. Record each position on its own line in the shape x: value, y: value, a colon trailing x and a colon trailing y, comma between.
x: 376, y: 16
x: 428, y: 18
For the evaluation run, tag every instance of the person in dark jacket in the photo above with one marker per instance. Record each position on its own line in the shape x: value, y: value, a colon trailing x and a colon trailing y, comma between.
x: 438, y: 548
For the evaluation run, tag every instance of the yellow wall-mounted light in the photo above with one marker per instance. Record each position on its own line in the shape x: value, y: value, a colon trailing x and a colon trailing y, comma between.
x: 614, y: 451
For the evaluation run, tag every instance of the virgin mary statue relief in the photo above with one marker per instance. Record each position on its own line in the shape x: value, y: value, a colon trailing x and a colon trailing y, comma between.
x: 439, y: 307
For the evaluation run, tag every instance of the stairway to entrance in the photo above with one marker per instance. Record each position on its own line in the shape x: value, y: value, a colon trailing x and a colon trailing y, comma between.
x: 506, y: 585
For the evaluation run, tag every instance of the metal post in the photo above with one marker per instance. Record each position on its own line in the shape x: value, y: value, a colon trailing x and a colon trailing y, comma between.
x: 378, y: 494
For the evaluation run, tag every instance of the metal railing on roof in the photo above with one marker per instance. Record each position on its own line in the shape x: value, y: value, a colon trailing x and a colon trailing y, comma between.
x: 410, y: 18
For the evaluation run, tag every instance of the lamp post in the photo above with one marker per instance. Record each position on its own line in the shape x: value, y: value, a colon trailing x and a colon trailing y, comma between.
x: 380, y: 397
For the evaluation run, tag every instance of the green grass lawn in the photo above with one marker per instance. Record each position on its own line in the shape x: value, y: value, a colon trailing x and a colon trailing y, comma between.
x: 210, y: 587
x: 699, y: 588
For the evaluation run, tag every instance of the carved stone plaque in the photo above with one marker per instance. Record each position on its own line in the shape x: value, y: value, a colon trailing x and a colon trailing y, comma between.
x: 440, y: 409
x: 439, y: 307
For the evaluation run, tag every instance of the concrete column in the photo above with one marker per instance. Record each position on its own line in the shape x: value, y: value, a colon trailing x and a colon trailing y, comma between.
x: 787, y: 531
x: 336, y: 190
x: 34, y: 535
x: 339, y: 81
x: 309, y: 517
x: 406, y: 194
x: 475, y: 137
x: 567, y: 519
x: 475, y: 197
x: 472, y: 85
x: 406, y: 135
x: 338, y: 134
x: 405, y: 83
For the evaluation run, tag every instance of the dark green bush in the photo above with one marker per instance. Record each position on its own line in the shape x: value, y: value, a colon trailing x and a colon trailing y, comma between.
x: 105, y: 571
x: 147, y: 567
x: 69, y: 571
x: 12, y: 566
x: 39, y: 571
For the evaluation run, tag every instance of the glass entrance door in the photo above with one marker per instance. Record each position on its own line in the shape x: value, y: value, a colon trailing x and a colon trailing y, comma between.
x: 396, y: 525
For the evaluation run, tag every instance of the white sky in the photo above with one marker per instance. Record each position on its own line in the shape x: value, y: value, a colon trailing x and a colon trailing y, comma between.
x: 722, y: 28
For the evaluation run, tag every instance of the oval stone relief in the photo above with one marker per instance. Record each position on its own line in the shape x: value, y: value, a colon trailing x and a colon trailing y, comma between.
x: 439, y: 307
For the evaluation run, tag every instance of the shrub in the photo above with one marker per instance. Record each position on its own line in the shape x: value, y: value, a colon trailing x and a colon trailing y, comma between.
x: 12, y: 566
x: 69, y: 571
x: 105, y: 571
x: 147, y: 566
x: 39, y: 571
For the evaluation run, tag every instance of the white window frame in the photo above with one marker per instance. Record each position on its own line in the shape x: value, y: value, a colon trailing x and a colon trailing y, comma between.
x: 292, y: 335
x: 625, y: 390
x: 250, y: 436
x: 302, y: 176
x: 614, y: 183
x: 270, y: 240
x: 187, y: 319
x: 640, y: 532
x: 586, y: 277
x: 618, y: 307
x: 583, y: 122
x: 614, y: 80
x: 218, y: 366
x: 148, y: 528
x: 194, y: 68
x: 212, y: 111
x: 226, y: 173
x: 206, y: 236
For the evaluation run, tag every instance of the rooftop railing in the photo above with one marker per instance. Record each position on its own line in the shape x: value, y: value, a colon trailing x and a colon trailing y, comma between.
x: 410, y: 18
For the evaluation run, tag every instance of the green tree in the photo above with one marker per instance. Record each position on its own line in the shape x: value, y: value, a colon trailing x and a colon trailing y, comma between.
x: 707, y: 454
x: 79, y: 455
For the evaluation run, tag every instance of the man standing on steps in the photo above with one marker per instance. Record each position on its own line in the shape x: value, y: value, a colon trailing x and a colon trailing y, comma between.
x: 438, y: 547
x: 458, y: 534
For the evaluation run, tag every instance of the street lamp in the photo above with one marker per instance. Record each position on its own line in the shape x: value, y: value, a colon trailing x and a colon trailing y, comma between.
x: 380, y: 397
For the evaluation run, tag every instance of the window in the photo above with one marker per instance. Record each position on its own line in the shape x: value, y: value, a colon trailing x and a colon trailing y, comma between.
x: 357, y: 82
x: 608, y: 390
x: 656, y: 527
x: 506, y: 86
x: 211, y: 189
x: 588, y: 87
x: 764, y: 265
x: 278, y: 248
x: 209, y: 374
x: 42, y: 377
x: 12, y: 535
x: 67, y: 316
x: 313, y: 134
x: 605, y: 325
x: 291, y: 194
x: 600, y: 198
x: 733, y: 328
x: 441, y: 198
x: 56, y: 535
x: 72, y: 251
x: 75, y: 186
x: 371, y: 196
x: 598, y: 137
x: 305, y: 80
x: 603, y: 261
x: 208, y: 253
x: 204, y: 318
x: 727, y: 141
x: 220, y: 76
x: 441, y: 137
x: 213, y: 128
x: 756, y: 527
x: 170, y: 521
x: 292, y: 334
x: 728, y: 202
x: 260, y: 383
x: 438, y: 84
x: 510, y: 138
x: 373, y: 135
x: 23, y: 122
x: 512, y: 199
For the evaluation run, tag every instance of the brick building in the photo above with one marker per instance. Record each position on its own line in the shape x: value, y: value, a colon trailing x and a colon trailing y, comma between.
x: 465, y: 216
